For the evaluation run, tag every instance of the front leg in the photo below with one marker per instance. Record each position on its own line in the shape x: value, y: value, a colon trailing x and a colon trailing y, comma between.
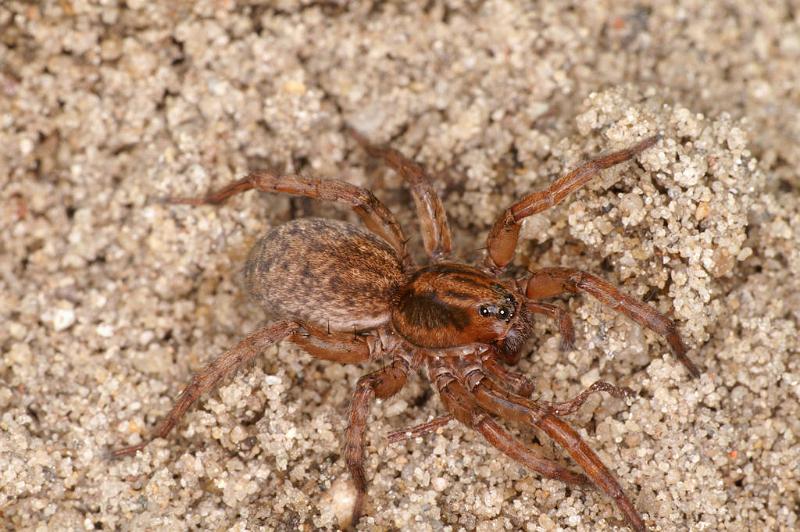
x: 571, y: 406
x: 549, y: 282
x: 521, y: 385
x: 462, y: 406
x: 502, y: 240
x: 496, y: 400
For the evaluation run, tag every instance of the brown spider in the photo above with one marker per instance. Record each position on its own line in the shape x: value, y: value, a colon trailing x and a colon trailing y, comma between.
x: 329, y: 278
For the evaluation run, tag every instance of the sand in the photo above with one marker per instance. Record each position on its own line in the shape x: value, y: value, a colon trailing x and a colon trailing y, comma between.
x: 109, y: 299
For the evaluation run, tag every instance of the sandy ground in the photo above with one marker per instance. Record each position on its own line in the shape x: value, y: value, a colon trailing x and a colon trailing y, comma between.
x: 109, y: 300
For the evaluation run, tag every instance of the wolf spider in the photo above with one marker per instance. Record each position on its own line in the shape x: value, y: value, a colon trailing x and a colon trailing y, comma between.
x: 462, y: 323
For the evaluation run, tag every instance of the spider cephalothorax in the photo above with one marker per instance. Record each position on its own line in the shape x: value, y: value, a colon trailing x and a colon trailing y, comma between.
x: 325, y: 280
x: 448, y: 304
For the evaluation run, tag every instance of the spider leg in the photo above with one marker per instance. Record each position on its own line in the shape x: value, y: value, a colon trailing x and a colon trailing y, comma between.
x: 336, y: 347
x: 342, y: 347
x: 571, y: 406
x: 432, y: 216
x: 375, y: 215
x: 502, y: 240
x: 208, y: 378
x: 523, y: 386
x: 518, y: 409
x: 517, y: 382
x: 419, y: 430
x: 460, y: 403
x: 550, y: 282
x: 563, y: 319
x: 381, y: 384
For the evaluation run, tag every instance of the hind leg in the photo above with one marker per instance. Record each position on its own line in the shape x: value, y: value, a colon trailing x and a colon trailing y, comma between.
x: 207, y: 379
x: 336, y: 347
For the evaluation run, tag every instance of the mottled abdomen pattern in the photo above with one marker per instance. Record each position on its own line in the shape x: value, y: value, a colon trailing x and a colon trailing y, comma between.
x: 324, y: 272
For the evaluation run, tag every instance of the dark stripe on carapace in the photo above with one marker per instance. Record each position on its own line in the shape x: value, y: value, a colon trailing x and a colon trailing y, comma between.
x: 463, y: 296
x: 471, y: 281
x: 428, y: 311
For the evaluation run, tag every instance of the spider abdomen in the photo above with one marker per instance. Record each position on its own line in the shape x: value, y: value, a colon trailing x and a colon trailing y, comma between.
x: 324, y: 272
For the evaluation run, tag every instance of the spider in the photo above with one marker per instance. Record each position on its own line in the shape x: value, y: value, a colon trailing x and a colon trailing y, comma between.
x: 350, y: 295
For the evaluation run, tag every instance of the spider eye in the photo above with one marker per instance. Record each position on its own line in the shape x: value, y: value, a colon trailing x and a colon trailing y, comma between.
x: 484, y: 311
x: 510, y: 299
x: 503, y: 313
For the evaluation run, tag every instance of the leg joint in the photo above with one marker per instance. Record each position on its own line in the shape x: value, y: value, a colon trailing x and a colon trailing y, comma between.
x: 478, y: 418
x: 473, y: 377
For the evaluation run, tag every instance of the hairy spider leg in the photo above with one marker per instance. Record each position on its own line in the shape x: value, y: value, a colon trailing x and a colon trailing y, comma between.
x: 375, y: 215
x: 334, y: 346
x: 432, y: 216
x: 463, y: 407
x: 502, y: 240
x: 419, y: 430
x: 337, y: 347
x: 549, y: 282
x: 526, y: 412
x: 379, y: 384
x: 520, y: 385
